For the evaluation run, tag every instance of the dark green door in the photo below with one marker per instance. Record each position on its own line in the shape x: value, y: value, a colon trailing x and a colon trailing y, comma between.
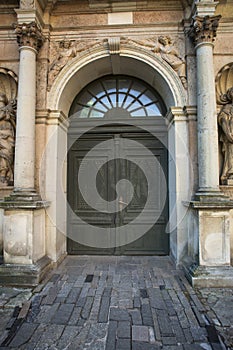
x: 155, y: 240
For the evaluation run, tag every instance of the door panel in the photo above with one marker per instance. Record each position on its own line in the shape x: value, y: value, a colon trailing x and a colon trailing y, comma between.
x: 155, y: 241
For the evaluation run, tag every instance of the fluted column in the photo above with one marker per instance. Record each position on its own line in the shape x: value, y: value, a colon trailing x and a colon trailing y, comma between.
x: 30, y: 40
x: 203, y: 31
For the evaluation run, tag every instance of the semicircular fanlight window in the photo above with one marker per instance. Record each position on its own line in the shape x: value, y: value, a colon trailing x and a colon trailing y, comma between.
x: 118, y: 97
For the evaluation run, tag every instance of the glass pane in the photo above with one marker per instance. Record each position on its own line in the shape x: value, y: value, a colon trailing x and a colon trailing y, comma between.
x: 100, y: 106
x: 106, y: 102
x: 96, y: 114
x: 145, y: 99
x: 110, y: 85
x: 84, y: 112
x: 87, y: 99
x: 134, y: 106
x: 153, y: 110
x: 124, y: 85
x: 139, y: 113
x: 137, y: 88
x: 113, y: 99
x: 97, y: 89
x: 127, y: 102
x: 121, y: 98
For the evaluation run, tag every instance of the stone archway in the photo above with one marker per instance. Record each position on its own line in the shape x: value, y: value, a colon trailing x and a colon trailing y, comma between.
x: 135, y: 62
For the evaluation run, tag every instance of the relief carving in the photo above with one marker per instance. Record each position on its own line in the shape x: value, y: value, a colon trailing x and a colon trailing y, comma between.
x: 165, y: 48
x: 66, y: 50
x: 8, y: 94
x: 225, y: 121
x: 29, y: 34
x: 26, y: 4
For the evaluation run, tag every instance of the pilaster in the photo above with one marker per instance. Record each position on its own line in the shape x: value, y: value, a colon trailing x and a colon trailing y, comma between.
x: 179, y: 181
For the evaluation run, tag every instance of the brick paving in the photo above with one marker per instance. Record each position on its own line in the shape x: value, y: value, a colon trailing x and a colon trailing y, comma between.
x: 112, y: 303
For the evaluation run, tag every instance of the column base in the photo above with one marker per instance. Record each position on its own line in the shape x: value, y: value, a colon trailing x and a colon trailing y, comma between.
x: 27, y: 195
x: 209, y: 276
x: 24, y: 275
x: 210, y: 195
x: 23, y: 200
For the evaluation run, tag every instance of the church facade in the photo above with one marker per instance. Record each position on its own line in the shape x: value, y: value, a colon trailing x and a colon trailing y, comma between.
x: 116, y: 134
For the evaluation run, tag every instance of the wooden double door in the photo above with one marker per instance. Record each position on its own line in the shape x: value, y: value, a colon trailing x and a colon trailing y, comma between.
x: 113, y: 169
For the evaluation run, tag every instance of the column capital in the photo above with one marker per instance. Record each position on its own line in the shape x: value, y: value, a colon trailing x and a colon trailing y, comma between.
x: 29, y: 34
x: 203, y: 29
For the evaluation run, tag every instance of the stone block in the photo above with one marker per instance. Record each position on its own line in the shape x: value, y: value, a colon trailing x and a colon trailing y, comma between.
x: 123, y: 329
x: 214, y: 242
x: 140, y: 333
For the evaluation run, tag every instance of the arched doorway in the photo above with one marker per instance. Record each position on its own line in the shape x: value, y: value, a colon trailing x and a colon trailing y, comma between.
x: 78, y: 73
x: 115, y: 109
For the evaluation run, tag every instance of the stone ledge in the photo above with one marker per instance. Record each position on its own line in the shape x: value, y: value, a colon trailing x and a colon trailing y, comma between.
x: 21, y: 204
x: 23, y: 200
x: 209, y: 276
x: 24, y: 275
x: 195, y: 204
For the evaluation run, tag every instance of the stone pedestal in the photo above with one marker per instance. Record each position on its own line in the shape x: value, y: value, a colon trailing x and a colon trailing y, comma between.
x: 24, y: 249
x: 213, y: 266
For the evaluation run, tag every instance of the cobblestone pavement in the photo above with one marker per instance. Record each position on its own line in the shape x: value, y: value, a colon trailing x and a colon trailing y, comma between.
x: 219, y: 308
x: 113, y: 303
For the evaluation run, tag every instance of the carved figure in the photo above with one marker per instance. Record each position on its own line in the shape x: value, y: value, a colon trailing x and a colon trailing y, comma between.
x: 66, y: 51
x: 168, y: 53
x: 7, y: 139
x: 225, y: 120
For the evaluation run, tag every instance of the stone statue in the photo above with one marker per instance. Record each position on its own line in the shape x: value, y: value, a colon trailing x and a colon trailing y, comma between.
x: 7, y: 139
x: 225, y: 120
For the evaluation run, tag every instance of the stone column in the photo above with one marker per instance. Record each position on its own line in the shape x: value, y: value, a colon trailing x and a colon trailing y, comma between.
x: 24, y: 229
x: 30, y: 39
x: 203, y: 31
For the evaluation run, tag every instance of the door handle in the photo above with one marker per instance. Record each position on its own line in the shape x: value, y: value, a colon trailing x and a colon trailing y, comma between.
x: 121, y: 202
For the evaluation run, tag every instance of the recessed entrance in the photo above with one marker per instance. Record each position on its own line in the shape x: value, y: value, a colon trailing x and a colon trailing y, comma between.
x: 113, y: 103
